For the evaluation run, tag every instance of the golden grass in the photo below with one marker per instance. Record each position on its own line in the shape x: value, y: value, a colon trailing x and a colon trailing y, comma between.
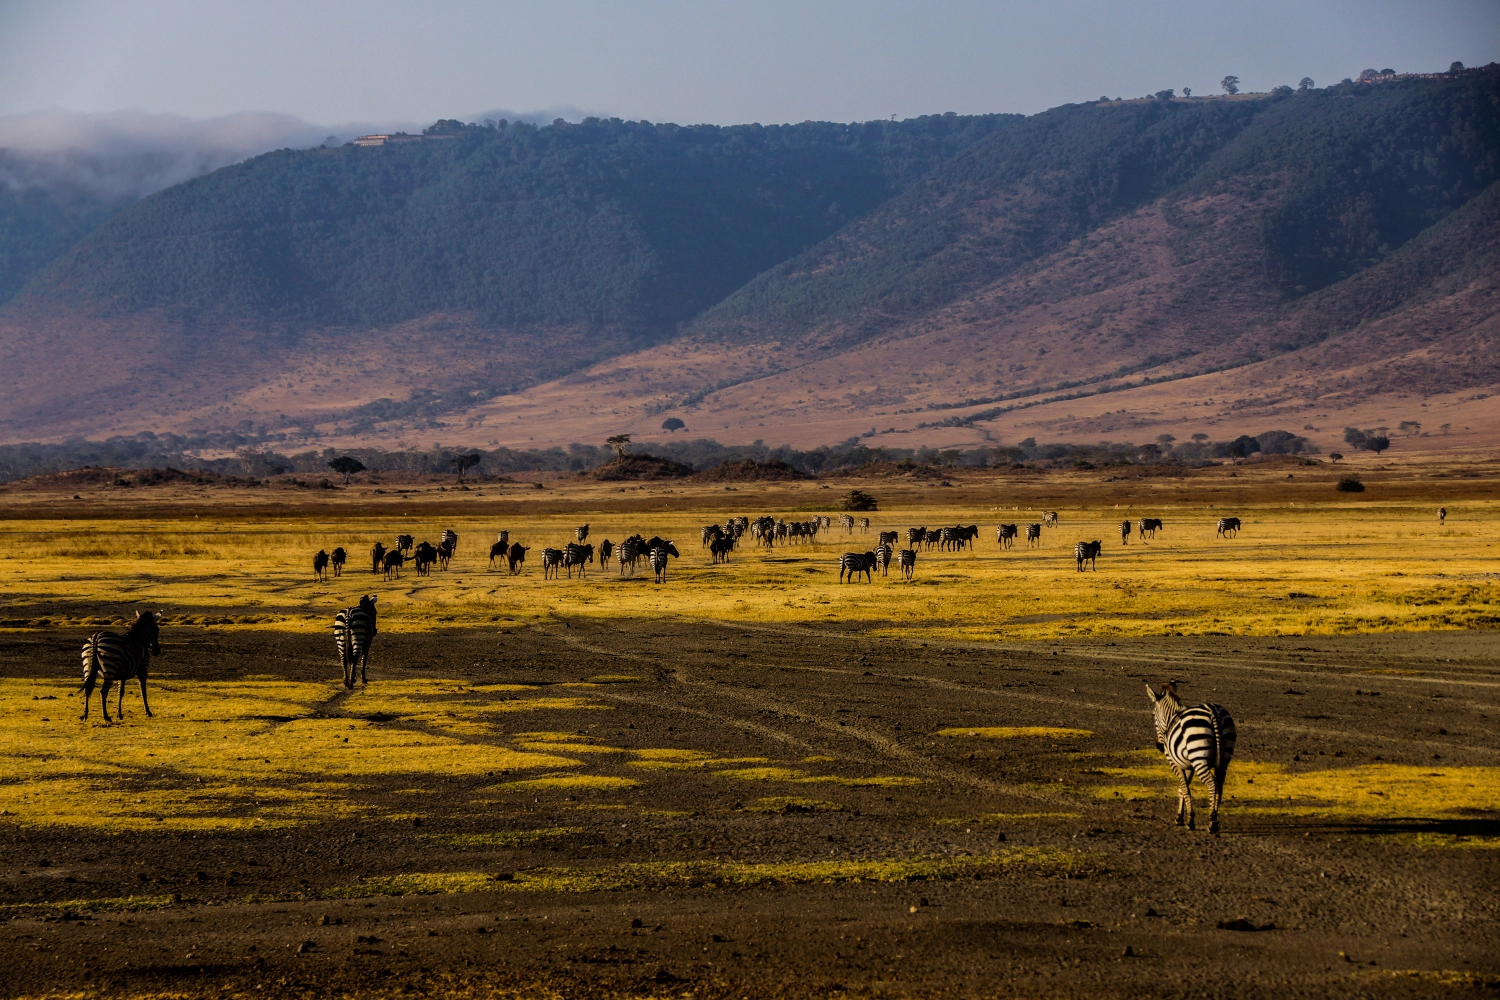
x: 1017, y: 732
x: 114, y: 904
x: 1335, y: 556
x: 503, y: 838
x: 567, y: 783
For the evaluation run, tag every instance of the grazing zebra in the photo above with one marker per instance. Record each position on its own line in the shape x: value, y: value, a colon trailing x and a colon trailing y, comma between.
x: 577, y: 555
x: 320, y: 566
x: 516, y: 557
x: 908, y: 560
x: 1227, y: 525
x: 393, y: 561
x: 582, y: 531
x: 377, y: 557
x: 1124, y: 532
x: 847, y: 521
x: 552, y: 560
x: 1149, y: 526
x: 1033, y: 535
x: 606, y: 549
x: 354, y: 634
x: 450, y: 539
x: 1006, y: 535
x: 498, y: 551
x: 445, y: 553
x: 720, y: 548
x: 339, y: 558
x: 855, y: 563
x: 1198, y: 742
x: 659, y: 556
x: 404, y: 544
x: 1049, y: 518
x: 1088, y: 552
x: 915, y: 536
x: 424, y: 557
x: 1442, y: 514
x: 883, y: 555
x: 889, y: 538
x: 111, y: 657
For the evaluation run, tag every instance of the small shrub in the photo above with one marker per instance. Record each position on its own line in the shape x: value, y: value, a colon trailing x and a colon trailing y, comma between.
x: 1350, y: 484
x: 858, y: 500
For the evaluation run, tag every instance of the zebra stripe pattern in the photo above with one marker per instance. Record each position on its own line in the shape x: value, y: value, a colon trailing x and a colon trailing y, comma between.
x: 1228, y: 525
x: 855, y: 563
x: 883, y: 553
x: 1149, y: 526
x: 659, y: 557
x: 1006, y: 535
x: 1049, y: 518
x: 1088, y: 552
x: 577, y: 555
x: 582, y: 533
x: 552, y: 560
x: 847, y: 521
x: 1124, y: 532
x: 908, y: 561
x: 1033, y: 535
x: 354, y: 634
x: 109, y: 657
x: 404, y: 544
x: 1198, y: 742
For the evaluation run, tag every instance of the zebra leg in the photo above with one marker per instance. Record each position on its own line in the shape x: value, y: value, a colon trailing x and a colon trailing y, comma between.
x: 120, y: 703
x: 1217, y: 797
x: 104, y: 697
x: 1184, y: 798
x: 145, y: 703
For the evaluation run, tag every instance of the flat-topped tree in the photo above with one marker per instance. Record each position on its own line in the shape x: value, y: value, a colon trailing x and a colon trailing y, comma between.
x: 621, y: 444
x: 464, y: 462
x: 346, y: 465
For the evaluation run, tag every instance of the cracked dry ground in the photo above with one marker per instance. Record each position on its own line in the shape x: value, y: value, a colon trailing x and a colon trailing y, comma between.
x: 633, y: 808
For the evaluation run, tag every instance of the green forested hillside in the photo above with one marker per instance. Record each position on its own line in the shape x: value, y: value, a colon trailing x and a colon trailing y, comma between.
x: 37, y: 225
x: 604, y: 223
x: 1331, y: 181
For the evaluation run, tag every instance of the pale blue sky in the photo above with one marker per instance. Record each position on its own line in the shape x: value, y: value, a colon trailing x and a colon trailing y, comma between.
x: 768, y: 61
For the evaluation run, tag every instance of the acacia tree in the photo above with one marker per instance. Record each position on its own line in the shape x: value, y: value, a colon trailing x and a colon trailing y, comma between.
x: 672, y: 425
x: 1306, y: 83
x: 1231, y: 84
x: 620, y: 443
x: 464, y: 462
x: 346, y: 465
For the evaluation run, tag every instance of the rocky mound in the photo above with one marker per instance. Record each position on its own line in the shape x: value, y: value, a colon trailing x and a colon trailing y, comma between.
x: 634, y: 467
x: 750, y: 471
x: 94, y: 475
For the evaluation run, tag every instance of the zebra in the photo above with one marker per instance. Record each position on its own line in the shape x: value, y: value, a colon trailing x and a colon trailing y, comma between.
x: 1125, y: 532
x: 552, y: 560
x: 1049, y: 518
x: 577, y: 555
x: 883, y: 554
x: 393, y: 561
x: 1198, y: 742
x: 1149, y: 526
x: 320, y: 566
x: 424, y: 557
x: 711, y: 532
x: 1033, y: 535
x: 1228, y: 524
x: 908, y: 560
x: 503, y: 538
x: 864, y: 526
x: 354, y: 634
x: 404, y: 544
x: 950, y: 538
x: 855, y: 563
x: 339, y: 558
x: 606, y: 549
x: 111, y: 657
x: 516, y: 557
x: 659, y: 556
x: 498, y: 551
x: 888, y: 538
x: 1088, y: 552
x: 582, y: 531
x: 914, y: 536
x: 629, y: 552
x: 445, y: 551
x: 1442, y: 514
x: 450, y: 539
x: 1006, y: 535
x: 377, y: 557
x: 847, y: 522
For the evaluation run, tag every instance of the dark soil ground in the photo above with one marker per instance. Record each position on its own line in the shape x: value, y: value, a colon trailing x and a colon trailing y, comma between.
x: 1358, y: 910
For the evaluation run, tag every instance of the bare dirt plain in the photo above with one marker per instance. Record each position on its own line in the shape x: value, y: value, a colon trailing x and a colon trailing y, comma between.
x: 575, y: 800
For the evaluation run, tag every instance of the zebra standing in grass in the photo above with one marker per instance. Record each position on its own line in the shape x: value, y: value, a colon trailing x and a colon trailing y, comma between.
x: 582, y: 533
x: 1088, y: 552
x: 552, y: 560
x: 659, y: 556
x: 111, y: 657
x: 883, y: 555
x: 445, y: 553
x: 855, y: 563
x: 1033, y: 535
x: 908, y: 560
x: 1006, y: 535
x: 1442, y: 514
x: 404, y: 544
x: 1049, y: 518
x: 377, y: 557
x: 577, y: 555
x: 847, y: 521
x: 450, y: 539
x: 888, y: 538
x: 914, y: 536
x: 1198, y: 742
x: 864, y: 526
x: 1125, y: 532
x: 320, y: 566
x: 1149, y: 526
x: 339, y: 558
x: 354, y: 634
x: 1227, y: 525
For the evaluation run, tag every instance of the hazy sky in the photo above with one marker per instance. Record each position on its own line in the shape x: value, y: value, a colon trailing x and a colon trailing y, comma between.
x: 697, y: 61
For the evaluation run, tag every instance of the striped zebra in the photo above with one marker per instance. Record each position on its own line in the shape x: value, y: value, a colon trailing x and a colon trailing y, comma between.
x: 1228, y: 525
x: 445, y: 553
x: 1198, y: 742
x: 354, y: 634
x: 577, y: 555
x: 1442, y: 514
x: 1088, y: 552
x: 424, y: 556
x: 109, y: 657
x: 1033, y: 535
x: 847, y: 522
x: 888, y: 538
x: 552, y: 560
x: 629, y: 553
x: 1049, y: 518
x: 864, y: 526
x: 404, y: 544
x: 1125, y: 532
x: 855, y: 563
x: 710, y: 533
x: 582, y: 533
x: 659, y: 556
x: 339, y: 558
x: 1149, y: 526
x: 883, y: 553
x: 908, y: 561
x: 450, y: 539
x: 320, y: 566
x: 377, y: 558
x: 1006, y: 535
x: 915, y: 536
x: 393, y: 563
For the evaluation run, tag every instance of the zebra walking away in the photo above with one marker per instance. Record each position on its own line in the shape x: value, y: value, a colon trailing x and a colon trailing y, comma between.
x: 1125, y: 532
x: 659, y: 556
x: 1149, y: 526
x: 1442, y: 514
x: 847, y: 521
x: 320, y: 566
x: 450, y: 539
x: 404, y: 544
x: 864, y: 526
x: 1033, y: 535
x: 339, y: 558
x: 1087, y: 552
x: 354, y: 634
x: 1198, y: 742
x: 552, y: 560
x: 577, y: 555
x: 883, y: 555
x: 855, y: 563
x: 582, y: 531
x: 109, y: 657
x: 908, y: 560
x: 1227, y: 525
x: 1006, y: 535
x: 1049, y: 518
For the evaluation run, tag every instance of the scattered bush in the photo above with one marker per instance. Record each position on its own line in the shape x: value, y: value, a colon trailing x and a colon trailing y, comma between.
x: 1350, y: 484
x: 858, y: 500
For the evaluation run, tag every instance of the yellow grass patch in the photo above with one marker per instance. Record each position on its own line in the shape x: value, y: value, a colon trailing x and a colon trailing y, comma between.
x: 1017, y: 732
x: 503, y: 838
x: 800, y: 777
x: 567, y: 782
x: 114, y: 904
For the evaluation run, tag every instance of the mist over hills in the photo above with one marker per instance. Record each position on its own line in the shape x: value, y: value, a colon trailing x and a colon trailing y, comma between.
x: 525, y: 285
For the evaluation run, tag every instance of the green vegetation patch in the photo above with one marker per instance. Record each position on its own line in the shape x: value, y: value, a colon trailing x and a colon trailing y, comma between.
x: 503, y: 838
x: 114, y: 904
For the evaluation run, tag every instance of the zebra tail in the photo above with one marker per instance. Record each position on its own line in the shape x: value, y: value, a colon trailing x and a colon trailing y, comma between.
x: 94, y: 667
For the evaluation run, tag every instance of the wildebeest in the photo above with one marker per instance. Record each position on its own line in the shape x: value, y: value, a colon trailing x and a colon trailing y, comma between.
x: 377, y: 557
x: 339, y: 558
x: 424, y: 557
x: 516, y: 557
x: 445, y: 552
x: 720, y: 548
x: 320, y: 566
x: 497, y: 551
x: 606, y: 549
x: 393, y: 562
x: 1442, y: 514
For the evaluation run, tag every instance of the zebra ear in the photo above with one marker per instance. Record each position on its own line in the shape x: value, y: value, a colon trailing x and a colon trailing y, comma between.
x: 1154, y: 696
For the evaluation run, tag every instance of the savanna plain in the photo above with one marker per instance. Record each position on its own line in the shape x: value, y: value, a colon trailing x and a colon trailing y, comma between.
x: 750, y: 779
